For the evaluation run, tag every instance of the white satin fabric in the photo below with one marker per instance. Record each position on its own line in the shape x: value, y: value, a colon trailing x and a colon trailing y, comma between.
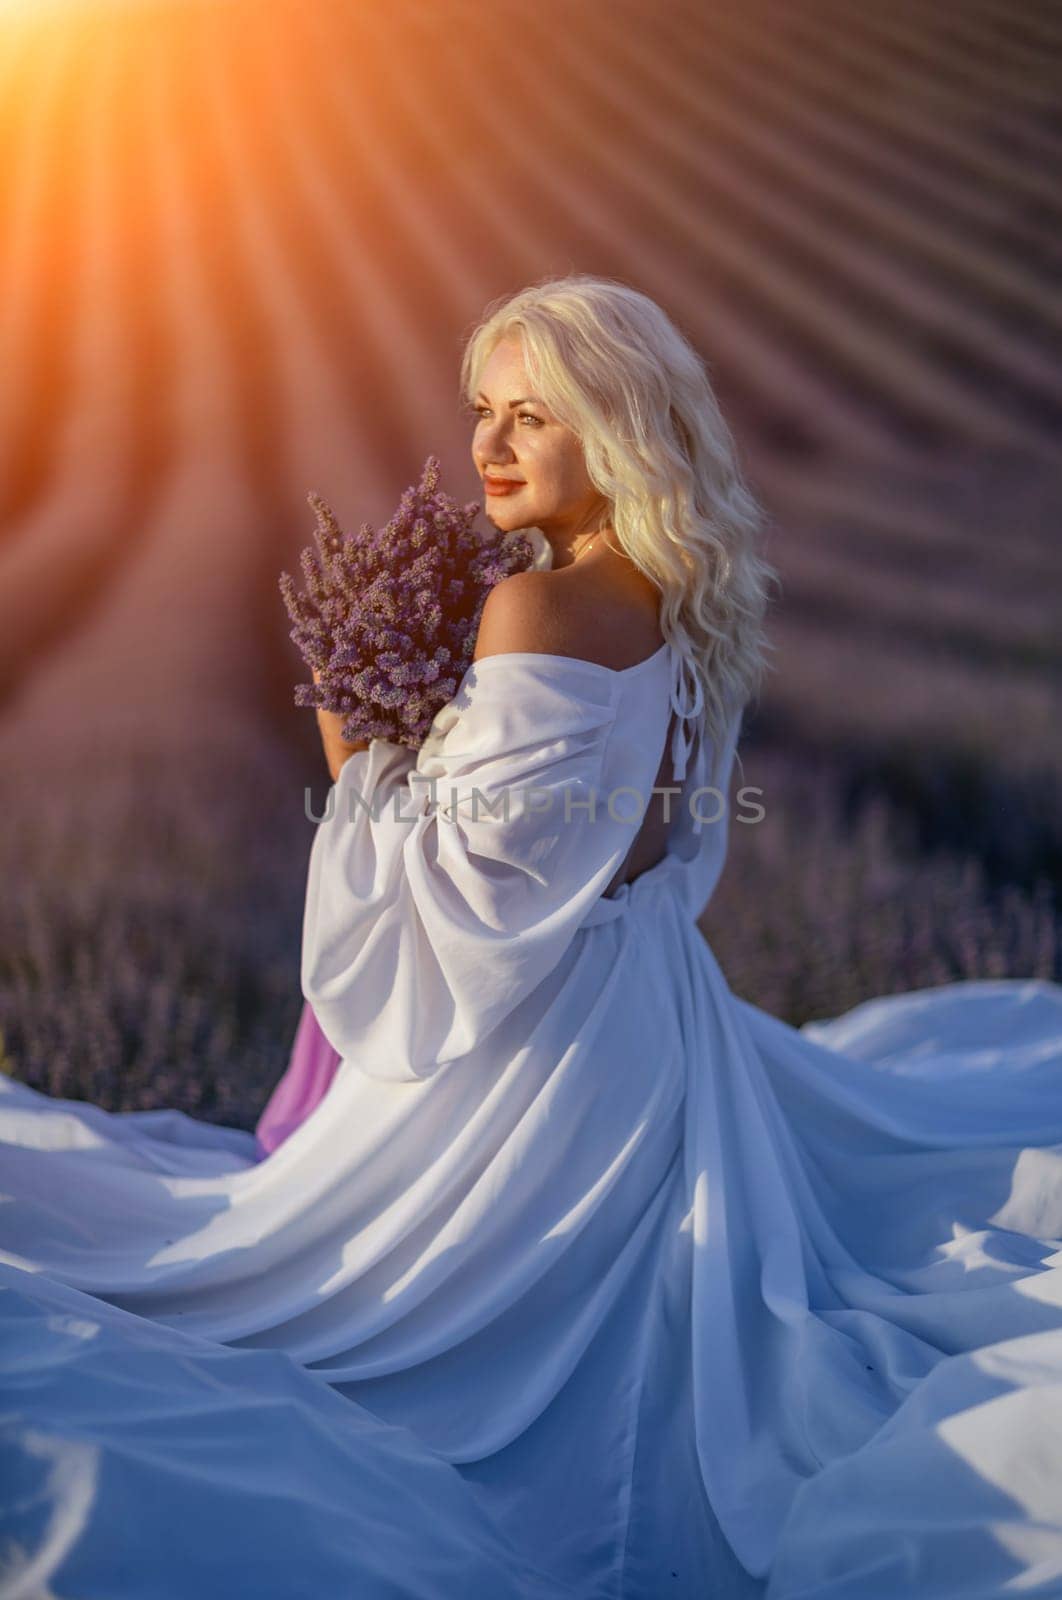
x: 623, y: 1287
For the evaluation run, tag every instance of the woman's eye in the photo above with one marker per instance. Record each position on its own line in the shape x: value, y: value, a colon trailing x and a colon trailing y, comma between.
x: 529, y: 416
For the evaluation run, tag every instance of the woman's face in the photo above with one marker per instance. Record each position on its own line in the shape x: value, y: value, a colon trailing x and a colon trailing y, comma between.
x: 519, y: 440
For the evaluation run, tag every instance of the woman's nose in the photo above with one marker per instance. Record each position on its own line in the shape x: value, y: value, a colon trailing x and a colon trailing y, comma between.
x: 494, y: 447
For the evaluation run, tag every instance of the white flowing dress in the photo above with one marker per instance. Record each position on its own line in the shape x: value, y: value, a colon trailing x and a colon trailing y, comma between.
x: 586, y: 1278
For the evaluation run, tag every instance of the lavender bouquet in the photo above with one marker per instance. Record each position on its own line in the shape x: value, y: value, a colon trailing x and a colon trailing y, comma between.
x: 388, y: 620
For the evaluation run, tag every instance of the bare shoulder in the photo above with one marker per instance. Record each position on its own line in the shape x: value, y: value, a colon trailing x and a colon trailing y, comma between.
x: 514, y: 615
x: 563, y: 613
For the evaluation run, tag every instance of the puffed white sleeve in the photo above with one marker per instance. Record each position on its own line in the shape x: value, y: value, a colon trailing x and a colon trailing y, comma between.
x: 443, y: 887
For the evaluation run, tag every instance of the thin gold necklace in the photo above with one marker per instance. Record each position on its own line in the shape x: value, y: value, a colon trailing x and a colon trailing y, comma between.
x: 582, y: 553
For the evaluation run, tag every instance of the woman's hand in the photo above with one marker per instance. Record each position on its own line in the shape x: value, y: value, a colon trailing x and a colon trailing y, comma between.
x: 337, y: 750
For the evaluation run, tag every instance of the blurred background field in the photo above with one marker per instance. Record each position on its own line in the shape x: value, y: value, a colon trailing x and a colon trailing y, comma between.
x: 241, y: 244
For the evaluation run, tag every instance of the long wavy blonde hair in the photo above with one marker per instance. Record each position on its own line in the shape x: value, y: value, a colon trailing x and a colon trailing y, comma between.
x: 611, y: 365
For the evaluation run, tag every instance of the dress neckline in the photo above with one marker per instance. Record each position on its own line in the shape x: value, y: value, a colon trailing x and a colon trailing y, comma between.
x: 686, y: 703
x: 575, y: 661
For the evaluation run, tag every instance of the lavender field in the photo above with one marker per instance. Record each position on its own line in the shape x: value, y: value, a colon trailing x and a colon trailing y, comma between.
x: 241, y: 243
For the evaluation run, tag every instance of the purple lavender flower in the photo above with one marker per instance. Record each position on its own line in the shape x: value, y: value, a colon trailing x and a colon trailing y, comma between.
x: 389, y: 619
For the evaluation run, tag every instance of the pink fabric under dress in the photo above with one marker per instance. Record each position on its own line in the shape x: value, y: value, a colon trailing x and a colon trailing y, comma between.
x: 306, y: 1081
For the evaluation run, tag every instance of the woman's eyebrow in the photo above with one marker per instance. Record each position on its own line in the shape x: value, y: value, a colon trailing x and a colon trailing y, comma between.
x: 528, y: 400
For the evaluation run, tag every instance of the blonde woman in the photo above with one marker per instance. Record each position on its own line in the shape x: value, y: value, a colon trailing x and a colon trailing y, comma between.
x: 586, y: 1277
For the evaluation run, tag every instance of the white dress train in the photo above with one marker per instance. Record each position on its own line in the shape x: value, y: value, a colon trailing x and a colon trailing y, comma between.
x: 586, y: 1278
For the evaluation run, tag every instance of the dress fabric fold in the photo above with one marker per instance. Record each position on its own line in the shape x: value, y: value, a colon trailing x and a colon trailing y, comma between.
x: 565, y: 1271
